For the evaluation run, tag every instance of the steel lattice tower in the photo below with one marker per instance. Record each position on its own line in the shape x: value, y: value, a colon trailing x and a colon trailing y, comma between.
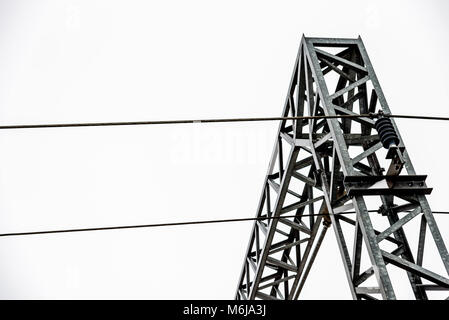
x: 331, y: 167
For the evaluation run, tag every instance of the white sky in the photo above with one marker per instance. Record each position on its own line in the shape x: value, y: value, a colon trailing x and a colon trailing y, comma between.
x: 76, y: 61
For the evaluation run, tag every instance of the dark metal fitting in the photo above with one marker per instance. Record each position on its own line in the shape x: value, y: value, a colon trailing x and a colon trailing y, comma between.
x: 384, y: 211
x: 373, y: 115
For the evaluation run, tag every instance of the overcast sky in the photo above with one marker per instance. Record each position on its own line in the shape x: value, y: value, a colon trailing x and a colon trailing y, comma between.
x: 73, y: 61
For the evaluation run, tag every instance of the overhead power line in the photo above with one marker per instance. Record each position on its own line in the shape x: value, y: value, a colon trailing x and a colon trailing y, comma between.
x: 162, y: 122
x: 171, y: 224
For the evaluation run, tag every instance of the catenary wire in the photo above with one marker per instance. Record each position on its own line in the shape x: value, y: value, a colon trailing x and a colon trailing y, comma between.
x: 171, y: 224
x: 162, y: 122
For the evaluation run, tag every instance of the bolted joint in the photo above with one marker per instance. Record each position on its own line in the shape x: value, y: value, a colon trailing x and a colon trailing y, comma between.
x: 386, y: 211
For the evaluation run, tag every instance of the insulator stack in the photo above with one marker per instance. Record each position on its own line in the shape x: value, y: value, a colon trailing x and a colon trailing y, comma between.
x: 387, y: 133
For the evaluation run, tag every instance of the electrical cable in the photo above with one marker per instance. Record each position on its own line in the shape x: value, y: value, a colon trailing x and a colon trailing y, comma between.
x: 170, y: 224
x: 162, y: 122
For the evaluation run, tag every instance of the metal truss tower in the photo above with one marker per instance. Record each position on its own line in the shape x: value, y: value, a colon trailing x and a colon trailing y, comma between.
x: 321, y: 170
